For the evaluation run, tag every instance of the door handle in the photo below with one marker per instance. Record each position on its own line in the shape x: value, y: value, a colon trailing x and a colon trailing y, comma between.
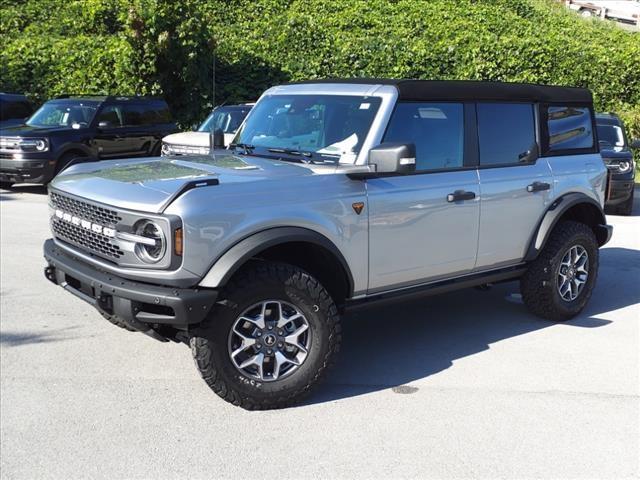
x: 538, y: 187
x: 460, y: 195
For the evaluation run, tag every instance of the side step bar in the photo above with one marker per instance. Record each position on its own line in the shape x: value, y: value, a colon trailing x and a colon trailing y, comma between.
x: 435, y: 288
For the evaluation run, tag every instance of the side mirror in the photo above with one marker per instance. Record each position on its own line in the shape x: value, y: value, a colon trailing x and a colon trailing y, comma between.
x: 393, y: 158
x: 635, y: 143
x: 216, y: 140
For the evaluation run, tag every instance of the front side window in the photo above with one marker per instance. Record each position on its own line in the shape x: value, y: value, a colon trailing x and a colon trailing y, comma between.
x: 110, y: 117
x: 436, y: 129
x: 570, y: 128
x: 506, y: 133
x: 63, y: 114
x: 328, y: 127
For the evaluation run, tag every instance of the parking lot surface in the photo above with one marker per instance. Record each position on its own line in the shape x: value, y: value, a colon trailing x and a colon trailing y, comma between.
x: 468, y: 384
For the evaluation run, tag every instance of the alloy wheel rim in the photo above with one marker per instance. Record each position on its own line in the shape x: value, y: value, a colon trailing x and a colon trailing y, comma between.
x: 573, y: 273
x: 269, y: 341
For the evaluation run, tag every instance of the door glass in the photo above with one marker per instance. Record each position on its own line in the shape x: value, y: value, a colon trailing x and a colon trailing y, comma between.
x: 110, y: 117
x: 436, y: 129
x: 506, y: 133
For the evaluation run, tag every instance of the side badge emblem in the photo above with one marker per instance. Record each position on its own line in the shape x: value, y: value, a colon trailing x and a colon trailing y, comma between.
x: 357, y: 207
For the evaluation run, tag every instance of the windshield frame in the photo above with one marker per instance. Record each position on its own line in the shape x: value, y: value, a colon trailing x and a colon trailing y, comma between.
x: 386, y: 93
x: 612, y: 125
x: 64, y: 104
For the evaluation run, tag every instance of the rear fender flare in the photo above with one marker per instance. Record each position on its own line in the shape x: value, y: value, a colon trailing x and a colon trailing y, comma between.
x: 553, y: 215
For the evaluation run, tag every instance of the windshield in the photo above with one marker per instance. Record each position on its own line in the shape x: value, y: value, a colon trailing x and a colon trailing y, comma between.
x: 330, y: 126
x: 63, y: 114
x: 611, y: 135
x: 227, y: 119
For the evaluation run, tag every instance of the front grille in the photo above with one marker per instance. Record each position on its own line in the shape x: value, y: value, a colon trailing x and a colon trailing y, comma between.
x: 82, y: 237
x: 75, y: 234
x: 188, y: 150
x: 86, y: 211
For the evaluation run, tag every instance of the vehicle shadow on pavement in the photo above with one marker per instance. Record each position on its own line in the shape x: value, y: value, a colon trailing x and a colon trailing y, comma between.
x: 17, y: 339
x: 395, y: 345
x: 8, y: 194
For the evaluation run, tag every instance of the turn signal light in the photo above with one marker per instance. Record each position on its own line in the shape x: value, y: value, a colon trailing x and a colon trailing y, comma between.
x: 177, y: 242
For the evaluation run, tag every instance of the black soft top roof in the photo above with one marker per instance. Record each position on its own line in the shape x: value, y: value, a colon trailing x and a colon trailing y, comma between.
x: 422, y: 90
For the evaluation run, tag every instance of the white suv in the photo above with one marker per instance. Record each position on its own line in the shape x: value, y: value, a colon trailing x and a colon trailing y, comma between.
x: 226, y: 119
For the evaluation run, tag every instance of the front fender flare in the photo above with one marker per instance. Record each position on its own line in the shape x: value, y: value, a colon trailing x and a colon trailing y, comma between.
x: 226, y: 265
x: 555, y: 212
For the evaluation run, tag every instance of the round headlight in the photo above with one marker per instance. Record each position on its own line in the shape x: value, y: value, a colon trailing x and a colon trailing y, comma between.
x: 624, y: 167
x: 153, y: 250
x: 165, y: 150
x: 41, y: 145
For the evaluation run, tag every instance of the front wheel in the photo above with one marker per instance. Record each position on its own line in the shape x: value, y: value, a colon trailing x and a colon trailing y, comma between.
x: 559, y: 283
x: 270, y: 339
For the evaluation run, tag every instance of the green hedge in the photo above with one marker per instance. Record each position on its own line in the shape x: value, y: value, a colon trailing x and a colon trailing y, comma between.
x: 167, y: 48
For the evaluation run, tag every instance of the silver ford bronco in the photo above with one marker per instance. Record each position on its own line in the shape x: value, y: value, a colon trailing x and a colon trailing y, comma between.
x: 336, y: 194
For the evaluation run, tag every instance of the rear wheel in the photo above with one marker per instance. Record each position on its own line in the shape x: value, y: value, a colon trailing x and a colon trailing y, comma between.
x: 270, y: 339
x: 559, y: 283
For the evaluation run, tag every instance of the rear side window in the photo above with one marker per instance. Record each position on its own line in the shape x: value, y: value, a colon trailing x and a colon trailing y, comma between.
x: 569, y: 128
x: 145, y: 114
x: 436, y: 129
x: 506, y: 133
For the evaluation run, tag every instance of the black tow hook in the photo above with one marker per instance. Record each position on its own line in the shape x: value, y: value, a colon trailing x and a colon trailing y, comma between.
x: 50, y: 273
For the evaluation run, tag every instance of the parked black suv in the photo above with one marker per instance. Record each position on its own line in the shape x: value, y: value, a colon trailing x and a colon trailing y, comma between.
x: 72, y: 128
x: 616, y: 153
x: 15, y: 108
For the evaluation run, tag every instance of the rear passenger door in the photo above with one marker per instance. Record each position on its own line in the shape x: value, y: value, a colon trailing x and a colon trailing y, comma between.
x: 418, y: 232
x: 515, y: 184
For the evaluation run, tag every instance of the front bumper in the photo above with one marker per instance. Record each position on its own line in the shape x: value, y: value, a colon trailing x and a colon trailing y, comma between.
x: 619, y: 190
x: 140, y: 305
x: 25, y: 170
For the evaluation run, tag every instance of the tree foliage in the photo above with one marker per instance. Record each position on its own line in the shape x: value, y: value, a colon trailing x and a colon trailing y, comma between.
x: 167, y: 48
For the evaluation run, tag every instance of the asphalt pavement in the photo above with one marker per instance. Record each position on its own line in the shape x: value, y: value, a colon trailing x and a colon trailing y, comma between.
x: 464, y: 385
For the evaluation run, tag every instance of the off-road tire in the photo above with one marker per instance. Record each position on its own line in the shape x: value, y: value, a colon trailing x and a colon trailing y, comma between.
x: 626, y: 208
x: 117, y: 322
x: 263, y: 281
x: 539, y: 284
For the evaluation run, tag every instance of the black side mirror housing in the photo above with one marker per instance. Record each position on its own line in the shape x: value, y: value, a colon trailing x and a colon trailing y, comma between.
x: 399, y: 158
x: 635, y: 143
x: 216, y: 140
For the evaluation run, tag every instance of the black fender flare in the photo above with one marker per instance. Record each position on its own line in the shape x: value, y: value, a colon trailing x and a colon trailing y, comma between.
x: 555, y: 212
x: 73, y: 147
x: 229, y: 262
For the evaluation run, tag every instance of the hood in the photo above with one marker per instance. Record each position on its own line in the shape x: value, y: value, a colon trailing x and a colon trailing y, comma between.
x: 193, y: 139
x: 30, y: 131
x: 617, y: 155
x: 151, y: 184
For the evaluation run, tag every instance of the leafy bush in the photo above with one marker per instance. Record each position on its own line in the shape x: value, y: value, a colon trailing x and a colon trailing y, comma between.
x: 167, y: 48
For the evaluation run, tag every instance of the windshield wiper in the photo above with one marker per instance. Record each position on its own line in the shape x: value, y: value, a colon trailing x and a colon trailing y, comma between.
x: 291, y: 151
x: 245, y: 146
